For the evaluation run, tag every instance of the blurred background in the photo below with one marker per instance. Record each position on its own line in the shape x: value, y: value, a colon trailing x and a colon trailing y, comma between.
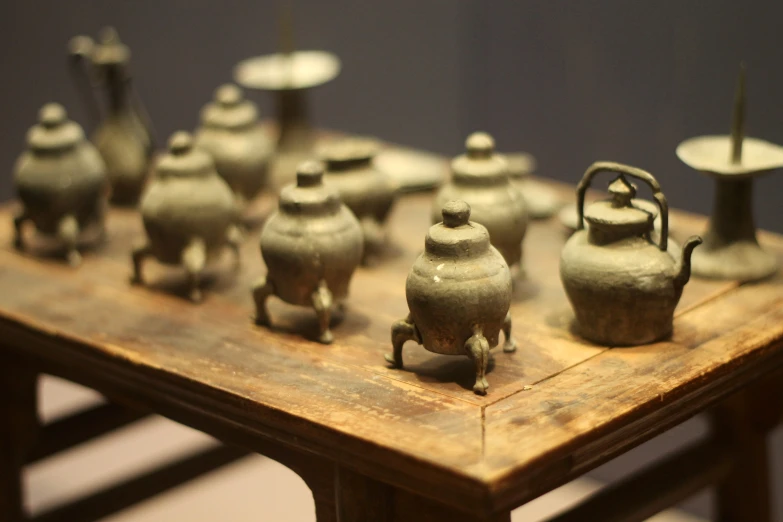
x: 570, y: 82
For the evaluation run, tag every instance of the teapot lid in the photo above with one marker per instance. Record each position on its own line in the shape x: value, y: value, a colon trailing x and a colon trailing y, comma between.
x: 309, y: 195
x: 348, y: 151
x: 229, y: 109
x: 456, y: 236
x: 183, y: 160
x: 109, y: 50
x: 480, y: 164
x: 54, y: 131
x: 622, y: 210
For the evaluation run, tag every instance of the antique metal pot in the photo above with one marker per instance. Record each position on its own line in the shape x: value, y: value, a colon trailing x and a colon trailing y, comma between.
x: 123, y: 134
x: 189, y: 213
x: 311, y: 247
x: 480, y: 178
x: 364, y: 189
x: 622, y: 285
x: 61, y: 182
x: 542, y: 201
x: 239, y: 145
x: 459, y: 293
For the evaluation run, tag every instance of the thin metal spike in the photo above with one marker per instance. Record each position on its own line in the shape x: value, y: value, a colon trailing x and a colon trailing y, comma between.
x: 738, y: 119
x: 286, y: 27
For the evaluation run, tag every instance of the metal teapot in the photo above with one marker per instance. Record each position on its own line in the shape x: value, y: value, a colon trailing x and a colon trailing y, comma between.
x: 481, y: 178
x: 311, y: 247
x: 239, y: 145
x: 61, y: 182
x: 123, y: 133
x: 367, y: 191
x: 189, y: 213
x: 459, y: 293
x: 622, y: 285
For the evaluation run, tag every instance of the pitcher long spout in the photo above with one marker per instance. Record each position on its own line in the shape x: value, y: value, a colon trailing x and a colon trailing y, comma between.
x: 683, y: 268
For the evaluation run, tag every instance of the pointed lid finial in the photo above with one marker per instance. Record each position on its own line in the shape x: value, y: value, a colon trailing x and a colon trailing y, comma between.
x: 738, y: 118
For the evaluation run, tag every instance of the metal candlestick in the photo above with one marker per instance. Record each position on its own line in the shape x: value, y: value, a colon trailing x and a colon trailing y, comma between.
x: 730, y: 249
x: 289, y: 74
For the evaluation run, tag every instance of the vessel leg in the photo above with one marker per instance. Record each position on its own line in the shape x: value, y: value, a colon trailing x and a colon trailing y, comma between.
x: 194, y: 259
x: 510, y: 345
x: 478, y: 349
x: 322, y: 303
x: 138, y: 256
x: 68, y: 233
x: 262, y: 289
x: 234, y: 237
x: 401, y: 331
x: 19, y: 221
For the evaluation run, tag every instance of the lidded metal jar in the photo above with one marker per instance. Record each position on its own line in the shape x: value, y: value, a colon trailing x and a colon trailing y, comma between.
x: 61, y: 182
x: 123, y: 134
x: 480, y: 178
x: 459, y: 294
x: 364, y: 189
x: 239, y: 145
x: 311, y: 246
x: 622, y: 285
x: 189, y: 212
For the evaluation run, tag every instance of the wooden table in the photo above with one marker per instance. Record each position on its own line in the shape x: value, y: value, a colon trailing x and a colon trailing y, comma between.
x: 375, y: 443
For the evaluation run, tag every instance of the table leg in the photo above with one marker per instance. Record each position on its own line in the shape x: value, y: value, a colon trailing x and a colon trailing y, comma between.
x: 18, y: 426
x: 361, y: 498
x: 743, y: 421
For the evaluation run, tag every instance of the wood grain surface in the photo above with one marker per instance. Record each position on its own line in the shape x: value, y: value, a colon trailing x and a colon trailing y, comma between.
x: 555, y: 408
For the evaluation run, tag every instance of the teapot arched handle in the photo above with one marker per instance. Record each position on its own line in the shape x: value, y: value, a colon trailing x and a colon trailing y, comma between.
x: 634, y: 172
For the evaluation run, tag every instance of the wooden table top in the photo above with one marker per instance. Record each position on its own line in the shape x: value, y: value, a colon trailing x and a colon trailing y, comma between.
x: 555, y: 408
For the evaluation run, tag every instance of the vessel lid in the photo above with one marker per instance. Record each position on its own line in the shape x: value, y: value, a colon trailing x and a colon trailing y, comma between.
x: 109, y: 50
x: 229, y: 109
x: 309, y: 195
x: 480, y: 165
x: 54, y: 131
x: 520, y: 164
x: 621, y: 210
x: 456, y: 236
x: 348, y: 152
x: 183, y: 160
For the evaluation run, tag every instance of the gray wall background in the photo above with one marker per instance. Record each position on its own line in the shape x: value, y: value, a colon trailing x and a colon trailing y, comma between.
x: 570, y: 81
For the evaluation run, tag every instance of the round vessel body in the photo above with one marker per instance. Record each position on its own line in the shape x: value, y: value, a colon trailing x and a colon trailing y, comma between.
x: 299, y: 253
x: 451, y: 299
x: 52, y: 185
x: 176, y: 210
x: 241, y: 157
x: 500, y: 208
x: 624, y: 293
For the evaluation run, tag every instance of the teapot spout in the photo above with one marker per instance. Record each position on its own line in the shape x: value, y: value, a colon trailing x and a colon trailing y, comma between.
x: 683, y: 268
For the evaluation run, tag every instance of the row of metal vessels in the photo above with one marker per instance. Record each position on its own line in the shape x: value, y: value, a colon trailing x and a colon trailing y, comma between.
x: 621, y: 273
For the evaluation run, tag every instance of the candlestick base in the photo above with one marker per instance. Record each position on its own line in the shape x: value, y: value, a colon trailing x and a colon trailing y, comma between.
x: 742, y: 261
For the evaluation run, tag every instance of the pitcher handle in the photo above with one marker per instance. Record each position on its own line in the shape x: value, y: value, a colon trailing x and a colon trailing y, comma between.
x: 79, y: 50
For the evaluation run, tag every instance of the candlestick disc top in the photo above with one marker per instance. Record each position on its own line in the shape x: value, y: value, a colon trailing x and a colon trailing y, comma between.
x: 287, y: 71
x: 712, y: 155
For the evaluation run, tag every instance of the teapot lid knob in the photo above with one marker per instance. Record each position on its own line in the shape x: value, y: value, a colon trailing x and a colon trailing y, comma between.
x: 480, y: 145
x: 622, y: 192
x: 52, y: 115
x: 309, y: 174
x: 180, y: 143
x: 228, y: 95
x: 456, y: 214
